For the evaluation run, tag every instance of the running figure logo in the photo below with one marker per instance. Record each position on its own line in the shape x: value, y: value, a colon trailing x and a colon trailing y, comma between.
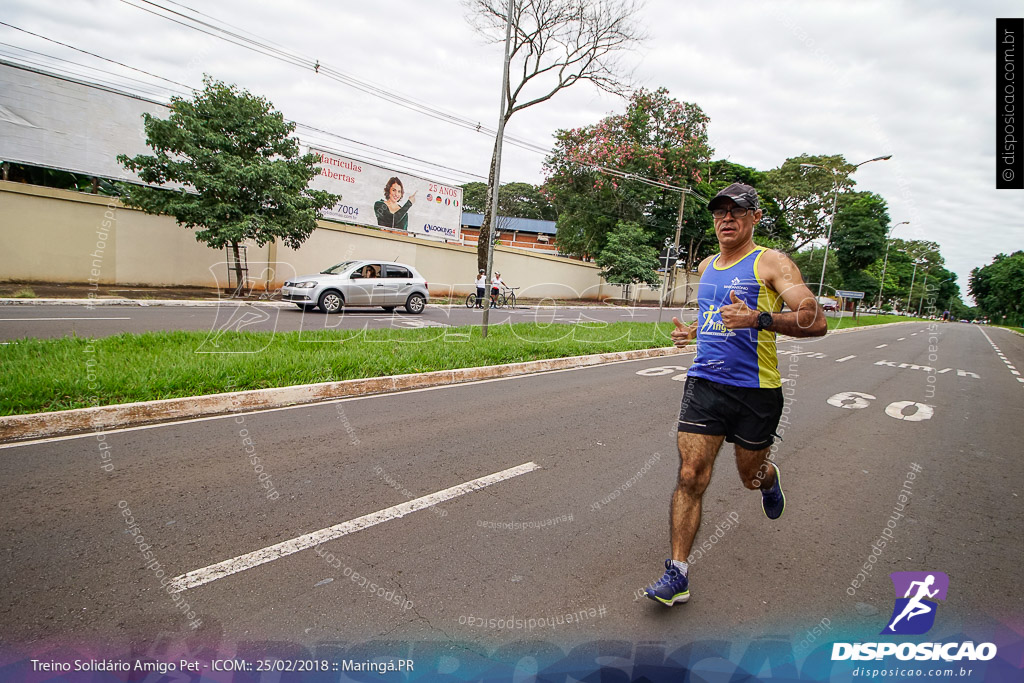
x: 914, y: 613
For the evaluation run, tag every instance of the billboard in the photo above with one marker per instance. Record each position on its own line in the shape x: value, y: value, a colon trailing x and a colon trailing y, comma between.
x: 371, y: 195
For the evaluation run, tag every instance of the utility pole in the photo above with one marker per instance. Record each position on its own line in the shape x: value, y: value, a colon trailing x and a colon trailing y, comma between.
x: 675, y: 248
x: 499, y: 138
x: 670, y: 275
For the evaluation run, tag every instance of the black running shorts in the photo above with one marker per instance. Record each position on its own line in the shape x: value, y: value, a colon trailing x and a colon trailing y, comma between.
x: 745, y: 415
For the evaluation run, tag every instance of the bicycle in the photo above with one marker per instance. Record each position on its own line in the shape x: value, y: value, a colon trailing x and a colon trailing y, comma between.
x: 471, y: 300
x: 508, y: 298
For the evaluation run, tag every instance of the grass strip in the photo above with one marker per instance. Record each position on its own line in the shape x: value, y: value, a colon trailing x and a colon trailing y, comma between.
x: 867, y: 320
x: 42, y: 375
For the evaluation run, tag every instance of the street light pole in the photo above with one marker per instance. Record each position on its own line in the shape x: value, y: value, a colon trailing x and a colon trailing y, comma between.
x: 835, y: 200
x: 831, y: 222
x: 910, y: 294
x: 886, y: 261
x: 920, y: 303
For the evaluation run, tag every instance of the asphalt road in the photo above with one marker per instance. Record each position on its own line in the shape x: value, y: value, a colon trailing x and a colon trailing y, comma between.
x: 23, y: 321
x: 583, y: 531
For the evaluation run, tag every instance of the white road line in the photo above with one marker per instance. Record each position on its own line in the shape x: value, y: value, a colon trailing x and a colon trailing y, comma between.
x: 1013, y: 370
x: 901, y: 339
x: 22, y: 320
x: 205, y: 575
x: 844, y: 358
x: 881, y: 346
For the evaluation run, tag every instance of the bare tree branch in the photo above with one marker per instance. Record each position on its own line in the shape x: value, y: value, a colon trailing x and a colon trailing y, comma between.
x: 555, y: 44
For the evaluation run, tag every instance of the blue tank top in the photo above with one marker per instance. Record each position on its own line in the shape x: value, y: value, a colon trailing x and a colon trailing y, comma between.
x: 744, y: 357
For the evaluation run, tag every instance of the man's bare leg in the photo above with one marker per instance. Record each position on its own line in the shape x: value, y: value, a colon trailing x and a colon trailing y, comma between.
x: 758, y: 472
x: 755, y: 469
x: 696, y: 460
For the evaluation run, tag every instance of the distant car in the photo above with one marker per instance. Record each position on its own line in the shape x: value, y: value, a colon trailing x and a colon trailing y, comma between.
x: 829, y: 307
x: 359, y: 283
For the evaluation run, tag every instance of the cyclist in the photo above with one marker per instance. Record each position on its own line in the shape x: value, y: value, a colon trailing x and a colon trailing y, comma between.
x: 496, y: 285
x: 481, y: 285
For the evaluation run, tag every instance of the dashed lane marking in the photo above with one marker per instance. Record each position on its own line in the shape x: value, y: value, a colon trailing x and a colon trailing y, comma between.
x: 844, y: 358
x: 205, y: 575
x: 881, y: 346
x: 1002, y: 357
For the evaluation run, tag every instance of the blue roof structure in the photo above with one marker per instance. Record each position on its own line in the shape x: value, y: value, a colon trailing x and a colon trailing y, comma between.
x: 475, y: 220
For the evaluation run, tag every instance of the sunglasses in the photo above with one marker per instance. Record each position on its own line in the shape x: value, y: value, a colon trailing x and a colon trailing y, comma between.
x: 736, y: 211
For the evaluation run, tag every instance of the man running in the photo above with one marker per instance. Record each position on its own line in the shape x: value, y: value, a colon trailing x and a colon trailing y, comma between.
x: 733, y: 389
x: 916, y: 607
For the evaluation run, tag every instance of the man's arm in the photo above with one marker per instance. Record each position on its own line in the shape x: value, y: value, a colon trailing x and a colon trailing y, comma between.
x: 806, y: 318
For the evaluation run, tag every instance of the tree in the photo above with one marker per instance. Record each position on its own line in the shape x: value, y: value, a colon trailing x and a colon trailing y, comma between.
x: 555, y: 44
x: 998, y: 289
x: 627, y: 258
x: 900, y: 272
x: 858, y: 236
x: 804, y: 196
x: 516, y: 200
x: 658, y: 138
x: 809, y: 262
x: 239, y: 172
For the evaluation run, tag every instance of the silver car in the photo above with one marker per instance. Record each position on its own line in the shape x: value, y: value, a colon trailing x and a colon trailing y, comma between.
x: 359, y: 283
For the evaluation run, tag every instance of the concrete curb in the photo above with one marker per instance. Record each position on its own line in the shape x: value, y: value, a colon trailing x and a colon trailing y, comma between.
x: 101, y: 418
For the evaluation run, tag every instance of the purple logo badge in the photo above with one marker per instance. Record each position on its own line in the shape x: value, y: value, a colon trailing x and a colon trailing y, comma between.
x: 916, y: 595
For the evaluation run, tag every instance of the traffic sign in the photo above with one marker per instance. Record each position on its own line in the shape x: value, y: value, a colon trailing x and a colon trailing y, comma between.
x: 849, y: 295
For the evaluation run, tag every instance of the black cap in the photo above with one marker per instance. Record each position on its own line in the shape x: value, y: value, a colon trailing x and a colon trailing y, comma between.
x: 482, y: 270
x: 743, y: 195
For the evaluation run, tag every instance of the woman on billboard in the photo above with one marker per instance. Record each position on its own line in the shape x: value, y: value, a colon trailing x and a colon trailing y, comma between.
x: 391, y: 214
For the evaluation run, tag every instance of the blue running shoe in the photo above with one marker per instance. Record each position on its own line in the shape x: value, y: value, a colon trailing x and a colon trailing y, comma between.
x: 671, y: 588
x: 773, y: 500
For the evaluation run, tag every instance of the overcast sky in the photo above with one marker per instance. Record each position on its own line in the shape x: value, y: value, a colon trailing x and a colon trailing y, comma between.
x: 777, y: 79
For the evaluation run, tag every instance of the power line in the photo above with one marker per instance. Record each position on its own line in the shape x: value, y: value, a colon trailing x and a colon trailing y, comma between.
x: 387, y: 94
x: 382, y: 149
x: 21, y: 58
x: 92, y: 54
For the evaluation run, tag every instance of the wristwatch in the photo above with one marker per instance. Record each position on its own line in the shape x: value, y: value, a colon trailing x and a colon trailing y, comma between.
x: 764, y: 321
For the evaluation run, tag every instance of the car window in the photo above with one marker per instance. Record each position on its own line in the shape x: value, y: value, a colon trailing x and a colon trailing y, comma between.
x: 370, y: 270
x: 398, y: 271
x: 334, y: 270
